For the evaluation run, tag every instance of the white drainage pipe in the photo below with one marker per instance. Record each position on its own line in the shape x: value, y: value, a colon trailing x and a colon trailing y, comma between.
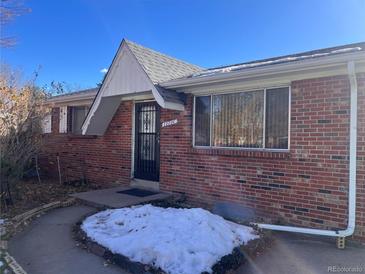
x: 352, y: 173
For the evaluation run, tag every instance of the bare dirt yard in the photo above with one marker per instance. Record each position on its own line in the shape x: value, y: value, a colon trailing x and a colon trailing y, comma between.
x: 29, y: 194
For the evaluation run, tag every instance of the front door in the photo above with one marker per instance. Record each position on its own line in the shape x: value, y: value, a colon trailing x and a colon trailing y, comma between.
x: 147, y: 141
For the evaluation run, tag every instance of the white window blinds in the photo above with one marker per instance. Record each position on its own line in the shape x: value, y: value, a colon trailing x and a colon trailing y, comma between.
x: 248, y: 119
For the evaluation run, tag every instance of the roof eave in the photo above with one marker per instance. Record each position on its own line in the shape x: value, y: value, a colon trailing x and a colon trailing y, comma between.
x: 269, y: 70
x: 71, y: 98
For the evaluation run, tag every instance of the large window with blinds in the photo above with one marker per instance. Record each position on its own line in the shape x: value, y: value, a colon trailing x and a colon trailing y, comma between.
x: 249, y: 119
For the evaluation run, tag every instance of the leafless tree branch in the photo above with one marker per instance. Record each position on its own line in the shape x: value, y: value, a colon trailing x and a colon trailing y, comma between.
x: 9, y: 10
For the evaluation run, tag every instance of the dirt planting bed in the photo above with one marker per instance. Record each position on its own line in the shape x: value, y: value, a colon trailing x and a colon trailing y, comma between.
x: 29, y: 194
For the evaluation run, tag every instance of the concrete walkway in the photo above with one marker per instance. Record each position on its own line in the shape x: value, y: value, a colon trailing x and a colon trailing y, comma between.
x: 47, y: 247
x: 300, y: 254
x: 112, y: 198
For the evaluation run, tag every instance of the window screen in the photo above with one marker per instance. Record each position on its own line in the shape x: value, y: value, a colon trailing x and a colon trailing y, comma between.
x: 277, y: 108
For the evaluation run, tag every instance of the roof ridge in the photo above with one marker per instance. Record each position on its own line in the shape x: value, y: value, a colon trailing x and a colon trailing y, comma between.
x: 162, y: 54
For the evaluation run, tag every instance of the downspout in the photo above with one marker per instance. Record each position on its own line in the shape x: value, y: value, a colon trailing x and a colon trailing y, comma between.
x: 352, y: 173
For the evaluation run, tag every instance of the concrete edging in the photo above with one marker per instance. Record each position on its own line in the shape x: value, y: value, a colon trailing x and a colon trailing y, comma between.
x: 13, y: 265
x: 22, y: 218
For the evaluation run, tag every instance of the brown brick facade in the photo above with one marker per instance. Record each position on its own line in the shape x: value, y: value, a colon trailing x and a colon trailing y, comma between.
x: 306, y: 186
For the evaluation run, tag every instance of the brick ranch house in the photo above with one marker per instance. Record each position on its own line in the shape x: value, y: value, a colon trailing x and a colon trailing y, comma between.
x: 272, y: 134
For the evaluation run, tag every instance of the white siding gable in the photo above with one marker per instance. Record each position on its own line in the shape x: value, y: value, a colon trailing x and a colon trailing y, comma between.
x: 127, y: 76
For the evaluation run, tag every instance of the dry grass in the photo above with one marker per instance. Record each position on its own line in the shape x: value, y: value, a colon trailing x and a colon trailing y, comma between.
x: 29, y: 194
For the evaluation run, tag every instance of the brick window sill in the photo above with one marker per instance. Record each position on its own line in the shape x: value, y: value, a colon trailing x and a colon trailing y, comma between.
x: 241, y: 153
x: 71, y: 136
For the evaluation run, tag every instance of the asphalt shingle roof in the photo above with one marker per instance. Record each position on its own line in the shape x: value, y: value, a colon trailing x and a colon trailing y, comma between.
x: 314, y: 54
x: 160, y: 67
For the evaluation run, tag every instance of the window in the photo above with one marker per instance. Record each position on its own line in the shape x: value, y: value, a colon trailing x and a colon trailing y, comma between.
x: 72, y: 118
x: 277, y: 113
x: 202, y: 120
x: 78, y: 115
x: 252, y: 119
x: 237, y: 119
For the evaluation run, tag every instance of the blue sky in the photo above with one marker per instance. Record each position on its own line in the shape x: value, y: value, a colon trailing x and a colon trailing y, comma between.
x: 73, y: 40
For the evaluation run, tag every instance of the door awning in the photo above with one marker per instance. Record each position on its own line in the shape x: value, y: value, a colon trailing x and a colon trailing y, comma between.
x: 135, y: 70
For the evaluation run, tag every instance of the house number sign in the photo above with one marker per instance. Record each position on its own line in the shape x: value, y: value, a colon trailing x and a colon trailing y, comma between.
x: 169, y: 123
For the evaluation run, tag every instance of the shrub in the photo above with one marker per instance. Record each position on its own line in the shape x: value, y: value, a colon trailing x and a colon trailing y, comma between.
x: 22, y: 111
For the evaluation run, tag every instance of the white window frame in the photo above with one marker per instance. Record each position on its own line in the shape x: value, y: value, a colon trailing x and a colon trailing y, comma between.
x: 211, y: 94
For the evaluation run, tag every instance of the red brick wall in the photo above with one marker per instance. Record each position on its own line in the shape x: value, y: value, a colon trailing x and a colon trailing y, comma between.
x: 305, y: 187
x: 102, y: 159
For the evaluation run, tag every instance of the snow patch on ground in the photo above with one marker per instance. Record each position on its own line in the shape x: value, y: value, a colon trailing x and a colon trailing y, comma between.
x: 179, y: 241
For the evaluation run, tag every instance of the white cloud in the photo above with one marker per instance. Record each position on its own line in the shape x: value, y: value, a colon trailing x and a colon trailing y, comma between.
x: 104, y: 70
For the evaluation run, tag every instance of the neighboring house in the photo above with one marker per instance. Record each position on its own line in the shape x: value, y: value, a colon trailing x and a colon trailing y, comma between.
x: 272, y: 134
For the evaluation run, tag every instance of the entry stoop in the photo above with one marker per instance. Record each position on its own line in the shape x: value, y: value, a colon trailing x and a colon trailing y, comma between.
x: 118, y: 197
x: 145, y: 184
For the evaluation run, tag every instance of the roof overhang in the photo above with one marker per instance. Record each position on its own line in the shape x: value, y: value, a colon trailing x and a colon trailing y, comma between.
x: 72, y: 99
x: 296, y: 70
x: 103, y: 115
x: 125, y: 77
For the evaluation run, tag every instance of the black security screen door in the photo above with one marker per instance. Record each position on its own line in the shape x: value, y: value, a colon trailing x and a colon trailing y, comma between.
x: 147, y: 143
